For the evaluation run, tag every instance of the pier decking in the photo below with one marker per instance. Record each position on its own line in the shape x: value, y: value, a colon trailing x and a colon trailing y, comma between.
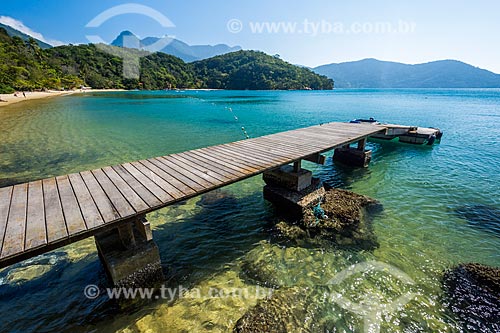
x: 42, y: 215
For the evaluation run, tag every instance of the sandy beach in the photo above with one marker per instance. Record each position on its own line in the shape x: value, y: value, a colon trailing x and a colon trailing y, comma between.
x: 7, y: 99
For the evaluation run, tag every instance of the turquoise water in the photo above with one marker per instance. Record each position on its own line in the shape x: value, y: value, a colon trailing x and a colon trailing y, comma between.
x: 205, y: 242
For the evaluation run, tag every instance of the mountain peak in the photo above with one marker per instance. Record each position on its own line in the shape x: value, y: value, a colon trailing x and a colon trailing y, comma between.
x: 127, y: 39
x: 126, y: 33
x: 174, y: 46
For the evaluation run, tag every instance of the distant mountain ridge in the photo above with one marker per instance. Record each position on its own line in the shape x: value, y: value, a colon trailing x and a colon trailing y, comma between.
x: 173, y: 46
x: 14, y: 32
x: 373, y: 73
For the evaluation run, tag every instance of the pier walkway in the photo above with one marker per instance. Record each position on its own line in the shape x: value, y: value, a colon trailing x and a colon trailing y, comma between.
x: 42, y: 215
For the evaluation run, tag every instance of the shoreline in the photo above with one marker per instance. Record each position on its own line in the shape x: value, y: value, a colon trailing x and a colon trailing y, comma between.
x: 8, y: 99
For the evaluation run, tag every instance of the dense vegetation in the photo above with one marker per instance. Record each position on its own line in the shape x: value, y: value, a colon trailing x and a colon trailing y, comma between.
x: 256, y: 70
x: 25, y: 66
x: 13, y: 32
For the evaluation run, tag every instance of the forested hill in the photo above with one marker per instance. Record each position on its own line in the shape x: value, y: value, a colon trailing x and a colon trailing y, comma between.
x: 256, y: 70
x: 373, y: 73
x: 14, y: 32
x: 25, y: 66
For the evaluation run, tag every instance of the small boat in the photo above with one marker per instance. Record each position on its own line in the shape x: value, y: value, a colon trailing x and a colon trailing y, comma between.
x: 359, y: 121
x: 406, y: 134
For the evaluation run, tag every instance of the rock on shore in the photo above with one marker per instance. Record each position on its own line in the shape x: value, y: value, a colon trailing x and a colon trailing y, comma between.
x: 342, y: 218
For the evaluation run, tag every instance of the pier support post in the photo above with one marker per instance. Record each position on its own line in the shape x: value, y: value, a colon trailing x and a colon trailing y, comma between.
x: 357, y: 157
x: 129, y: 255
x: 292, y: 189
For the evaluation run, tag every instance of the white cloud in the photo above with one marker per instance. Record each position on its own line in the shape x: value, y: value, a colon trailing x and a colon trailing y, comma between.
x: 18, y: 25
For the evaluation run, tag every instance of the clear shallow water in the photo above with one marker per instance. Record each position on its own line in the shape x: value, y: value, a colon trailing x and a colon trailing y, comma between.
x: 204, y: 243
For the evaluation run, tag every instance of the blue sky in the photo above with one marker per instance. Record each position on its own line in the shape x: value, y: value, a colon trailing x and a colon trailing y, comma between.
x: 323, y: 31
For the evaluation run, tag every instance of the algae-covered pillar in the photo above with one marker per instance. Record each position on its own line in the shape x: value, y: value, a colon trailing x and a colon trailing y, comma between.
x: 129, y: 255
x: 292, y: 188
x: 354, y: 156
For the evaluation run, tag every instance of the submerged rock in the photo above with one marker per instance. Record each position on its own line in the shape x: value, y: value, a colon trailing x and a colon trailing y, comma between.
x: 217, y: 198
x: 342, y: 218
x: 276, y: 266
x: 287, y: 310
x: 474, y: 296
x: 260, y: 265
x: 481, y: 216
x: 32, y: 274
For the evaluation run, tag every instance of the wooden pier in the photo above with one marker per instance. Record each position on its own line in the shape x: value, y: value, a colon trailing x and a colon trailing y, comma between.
x: 42, y: 215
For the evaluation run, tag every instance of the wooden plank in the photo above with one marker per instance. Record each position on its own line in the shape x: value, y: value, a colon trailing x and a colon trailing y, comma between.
x: 278, y: 149
x: 318, y: 130
x: 90, y: 212
x: 302, y: 152
x: 181, y: 159
x: 254, y: 156
x: 175, y: 178
x: 293, y: 140
x: 71, y: 209
x: 106, y: 208
x: 189, y: 170
x: 349, y: 131
x: 142, y: 191
x: 284, y: 147
x: 286, y: 150
x: 301, y: 148
x: 54, y: 217
x: 36, y: 232
x: 149, y: 184
x: 302, y: 141
x: 181, y: 172
x: 202, y: 159
x: 352, y: 127
x: 13, y: 241
x: 241, y: 151
x: 119, y: 202
x: 157, y: 177
x: 236, y: 160
x: 238, y: 152
x: 314, y: 137
x: 272, y: 156
x: 204, y: 155
x: 133, y: 198
x: 228, y: 161
x: 326, y: 134
x: 207, y: 165
x: 5, y: 198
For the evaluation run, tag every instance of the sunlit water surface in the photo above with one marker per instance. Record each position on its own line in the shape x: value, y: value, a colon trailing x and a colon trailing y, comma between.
x: 205, y: 241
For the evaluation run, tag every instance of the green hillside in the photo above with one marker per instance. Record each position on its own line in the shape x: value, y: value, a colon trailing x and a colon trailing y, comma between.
x: 13, y: 32
x: 256, y: 70
x: 25, y: 66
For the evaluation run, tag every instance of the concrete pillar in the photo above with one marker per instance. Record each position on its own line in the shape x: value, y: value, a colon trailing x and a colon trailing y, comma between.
x: 362, y: 144
x: 297, y: 165
x: 357, y: 157
x: 129, y: 255
x: 292, y: 189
